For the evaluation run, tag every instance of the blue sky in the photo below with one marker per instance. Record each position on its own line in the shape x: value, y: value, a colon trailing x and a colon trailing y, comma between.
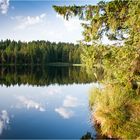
x: 37, y: 20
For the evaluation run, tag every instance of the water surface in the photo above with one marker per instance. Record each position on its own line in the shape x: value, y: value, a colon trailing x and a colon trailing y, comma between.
x: 57, y: 109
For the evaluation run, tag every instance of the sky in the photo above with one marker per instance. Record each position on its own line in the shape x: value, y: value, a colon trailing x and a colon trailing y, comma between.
x: 36, y: 20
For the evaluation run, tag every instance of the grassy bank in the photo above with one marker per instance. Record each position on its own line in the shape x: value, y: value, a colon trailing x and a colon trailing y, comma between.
x: 116, y: 110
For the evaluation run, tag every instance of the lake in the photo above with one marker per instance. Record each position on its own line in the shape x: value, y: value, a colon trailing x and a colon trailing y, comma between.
x: 45, y: 102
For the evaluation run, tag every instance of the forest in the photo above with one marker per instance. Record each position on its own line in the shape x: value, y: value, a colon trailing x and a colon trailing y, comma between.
x: 38, y: 53
x: 116, y: 104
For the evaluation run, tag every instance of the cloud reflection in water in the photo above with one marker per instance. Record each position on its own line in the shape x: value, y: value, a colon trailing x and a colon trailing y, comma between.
x: 4, y: 120
x: 28, y: 103
x: 70, y: 101
x: 64, y: 112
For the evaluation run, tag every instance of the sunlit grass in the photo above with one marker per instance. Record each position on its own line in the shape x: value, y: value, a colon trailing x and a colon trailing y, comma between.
x: 117, y: 110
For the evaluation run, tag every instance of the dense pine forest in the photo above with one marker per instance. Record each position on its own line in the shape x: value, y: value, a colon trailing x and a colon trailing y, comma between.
x: 38, y: 52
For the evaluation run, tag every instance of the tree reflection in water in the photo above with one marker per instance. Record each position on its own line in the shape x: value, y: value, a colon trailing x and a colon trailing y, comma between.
x: 42, y: 76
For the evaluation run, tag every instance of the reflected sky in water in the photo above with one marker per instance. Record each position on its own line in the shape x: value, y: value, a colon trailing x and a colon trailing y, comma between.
x: 45, y: 112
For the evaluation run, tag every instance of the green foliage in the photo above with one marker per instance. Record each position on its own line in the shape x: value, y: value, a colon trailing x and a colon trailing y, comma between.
x: 38, y: 52
x: 118, y: 20
x: 92, y: 57
x: 117, y: 64
x: 104, y: 18
x: 116, y: 107
x: 115, y: 19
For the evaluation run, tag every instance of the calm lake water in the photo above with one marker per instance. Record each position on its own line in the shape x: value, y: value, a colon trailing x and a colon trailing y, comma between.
x: 45, y: 103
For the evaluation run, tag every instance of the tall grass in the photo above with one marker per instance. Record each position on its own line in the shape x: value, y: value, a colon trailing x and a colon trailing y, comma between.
x: 117, y: 110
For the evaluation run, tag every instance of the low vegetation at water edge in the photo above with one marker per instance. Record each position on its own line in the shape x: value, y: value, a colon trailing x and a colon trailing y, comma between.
x: 117, y: 111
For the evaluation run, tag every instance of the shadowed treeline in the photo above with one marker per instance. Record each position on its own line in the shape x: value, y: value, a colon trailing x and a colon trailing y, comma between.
x: 41, y: 76
x: 38, y: 52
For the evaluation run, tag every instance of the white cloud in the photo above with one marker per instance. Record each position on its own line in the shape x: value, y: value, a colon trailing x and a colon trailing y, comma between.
x: 59, y: 16
x: 4, y: 120
x: 106, y: 41
x: 16, y: 18
x: 71, y: 25
x: 65, y: 113
x: 70, y: 101
x: 4, y: 5
x: 43, y: 15
x: 41, y: 27
x: 25, y: 22
x: 28, y: 103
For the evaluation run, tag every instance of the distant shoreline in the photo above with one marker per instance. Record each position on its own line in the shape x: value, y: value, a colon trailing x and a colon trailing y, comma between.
x: 55, y: 64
